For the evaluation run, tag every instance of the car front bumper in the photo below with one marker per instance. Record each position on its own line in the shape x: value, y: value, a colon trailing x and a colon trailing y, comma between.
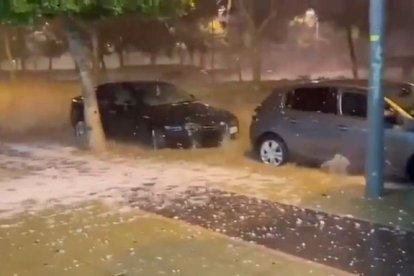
x: 204, y: 137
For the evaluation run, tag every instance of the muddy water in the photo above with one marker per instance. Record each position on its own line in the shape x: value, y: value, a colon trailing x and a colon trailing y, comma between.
x: 90, y: 240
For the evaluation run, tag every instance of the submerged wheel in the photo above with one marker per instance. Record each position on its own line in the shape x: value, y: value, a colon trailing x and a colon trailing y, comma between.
x: 81, y: 133
x: 410, y: 170
x: 272, y: 151
x: 80, y: 129
x: 158, y: 139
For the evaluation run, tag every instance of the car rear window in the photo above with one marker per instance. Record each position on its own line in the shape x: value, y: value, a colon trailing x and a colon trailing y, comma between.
x: 313, y: 99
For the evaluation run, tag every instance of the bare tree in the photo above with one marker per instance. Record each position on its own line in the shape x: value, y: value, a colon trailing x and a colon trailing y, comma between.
x: 255, y: 29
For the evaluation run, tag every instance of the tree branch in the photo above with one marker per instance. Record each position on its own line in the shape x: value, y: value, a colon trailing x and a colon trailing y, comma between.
x: 246, y: 14
x: 273, y: 13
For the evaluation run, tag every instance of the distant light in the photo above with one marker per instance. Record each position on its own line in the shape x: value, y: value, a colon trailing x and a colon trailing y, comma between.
x: 310, y: 12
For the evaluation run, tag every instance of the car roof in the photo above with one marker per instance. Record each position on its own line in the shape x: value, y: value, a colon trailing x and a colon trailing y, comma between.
x: 398, y: 91
x: 392, y: 88
x: 354, y: 83
x: 134, y: 83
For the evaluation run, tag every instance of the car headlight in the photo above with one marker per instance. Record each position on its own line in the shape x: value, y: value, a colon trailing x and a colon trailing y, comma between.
x: 233, y: 122
x: 233, y: 127
x: 173, y: 128
x: 192, y: 127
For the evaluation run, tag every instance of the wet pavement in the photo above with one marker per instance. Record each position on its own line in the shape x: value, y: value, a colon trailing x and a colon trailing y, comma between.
x: 344, y: 243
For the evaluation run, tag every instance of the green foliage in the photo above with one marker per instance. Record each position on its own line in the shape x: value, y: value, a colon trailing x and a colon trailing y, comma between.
x: 27, y: 11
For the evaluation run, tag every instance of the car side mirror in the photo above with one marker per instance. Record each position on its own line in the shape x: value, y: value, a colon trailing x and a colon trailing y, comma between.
x: 390, y: 121
x: 390, y: 118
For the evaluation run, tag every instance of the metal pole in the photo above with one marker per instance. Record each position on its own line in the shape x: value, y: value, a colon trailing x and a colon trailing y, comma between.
x: 375, y: 158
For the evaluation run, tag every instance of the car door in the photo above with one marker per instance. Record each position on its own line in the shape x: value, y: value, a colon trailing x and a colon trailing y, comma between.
x: 120, y: 112
x: 353, y: 126
x: 310, y: 119
x: 354, y: 108
x: 105, y: 99
x: 142, y: 127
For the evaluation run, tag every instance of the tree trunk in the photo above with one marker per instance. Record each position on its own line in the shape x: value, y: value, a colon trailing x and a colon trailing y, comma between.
x: 50, y: 63
x: 213, y: 64
x: 239, y: 68
x: 121, y: 59
x: 153, y: 58
x: 102, y: 62
x: 352, y: 55
x: 213, y: 53
x: 181, y: 54
x: 202, y: 60
x: 257, y: 63
x: 96, y: 55
x: 78, y: 50
x: 23, y: 63
x: 191, y: 55
x: 9, y: 54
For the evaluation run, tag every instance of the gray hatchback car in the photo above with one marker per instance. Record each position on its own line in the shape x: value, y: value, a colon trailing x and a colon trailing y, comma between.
x: 318, y: 120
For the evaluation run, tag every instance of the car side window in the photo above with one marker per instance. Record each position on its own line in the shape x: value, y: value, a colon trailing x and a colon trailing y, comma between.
x: 104, y: 95
x: 124, y: 96
x: 313, y: 99
x: 354, y: 104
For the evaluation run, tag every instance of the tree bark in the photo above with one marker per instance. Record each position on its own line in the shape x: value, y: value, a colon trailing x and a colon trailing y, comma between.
x: 352, y: 55
x: 96, y: 55
x: 78, y: 50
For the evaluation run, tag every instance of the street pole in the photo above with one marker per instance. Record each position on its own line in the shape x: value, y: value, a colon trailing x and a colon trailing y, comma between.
x: 375, y: 145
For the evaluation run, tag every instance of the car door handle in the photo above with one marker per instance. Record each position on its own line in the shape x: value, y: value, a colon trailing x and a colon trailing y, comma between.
x: 293, y: 122
x: 343, y: 128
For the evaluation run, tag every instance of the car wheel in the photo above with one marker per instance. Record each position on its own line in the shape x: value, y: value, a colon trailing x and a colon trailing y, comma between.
x: 158, y: 139
x: 81, y: 133
x: 272, y: 150
x: 410, y: 170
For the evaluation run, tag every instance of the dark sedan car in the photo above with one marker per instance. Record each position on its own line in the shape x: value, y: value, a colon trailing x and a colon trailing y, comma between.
x: 159, y: 114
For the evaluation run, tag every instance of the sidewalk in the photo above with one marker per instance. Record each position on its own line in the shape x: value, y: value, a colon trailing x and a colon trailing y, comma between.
x: 95, y: 240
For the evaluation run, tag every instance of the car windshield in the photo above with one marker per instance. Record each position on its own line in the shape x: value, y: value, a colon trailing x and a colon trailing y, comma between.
x: 163, y: 94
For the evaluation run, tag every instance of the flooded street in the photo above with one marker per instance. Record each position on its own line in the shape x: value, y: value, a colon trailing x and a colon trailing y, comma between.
x: 82, y: 213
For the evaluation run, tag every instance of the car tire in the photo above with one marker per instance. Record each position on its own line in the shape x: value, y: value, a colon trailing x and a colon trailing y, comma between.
x: 272, y: 150
x: 158, y: 139
x: 81, y: 134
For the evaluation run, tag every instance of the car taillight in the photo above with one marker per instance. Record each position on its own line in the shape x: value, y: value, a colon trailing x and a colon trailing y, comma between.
x: 256, y: 112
